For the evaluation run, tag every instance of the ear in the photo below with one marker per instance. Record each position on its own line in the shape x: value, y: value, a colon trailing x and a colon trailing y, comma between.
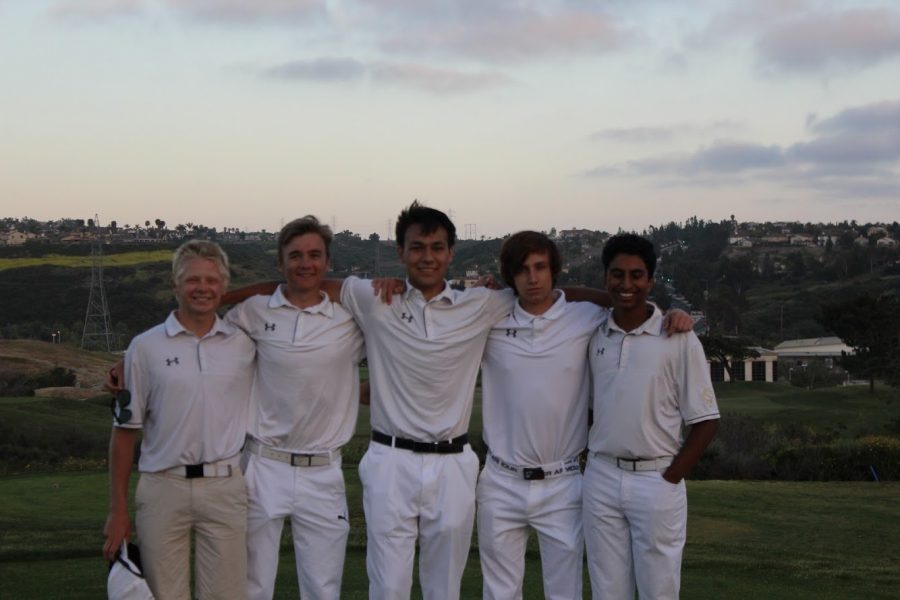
x: 400, y: 252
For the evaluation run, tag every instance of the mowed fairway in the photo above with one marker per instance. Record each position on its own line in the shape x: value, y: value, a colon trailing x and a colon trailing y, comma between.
x: 122, y: 259
x: 745, y: 540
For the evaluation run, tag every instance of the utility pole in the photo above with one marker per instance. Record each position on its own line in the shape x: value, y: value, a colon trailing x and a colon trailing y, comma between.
x: 97, y: 334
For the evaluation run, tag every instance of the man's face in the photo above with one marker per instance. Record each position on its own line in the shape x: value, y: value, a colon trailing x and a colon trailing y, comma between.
x: 199, y: 287
x: 628, y: 282
x: 534, y: 283
x: 426, y: 257
x: 304, y: 262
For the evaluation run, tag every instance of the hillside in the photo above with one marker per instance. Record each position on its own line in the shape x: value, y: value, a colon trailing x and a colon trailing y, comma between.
x: 30, y: 357
x: 769, y: 291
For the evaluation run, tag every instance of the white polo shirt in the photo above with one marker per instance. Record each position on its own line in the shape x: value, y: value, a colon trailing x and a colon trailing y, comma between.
x: 645, y: 386
x: 190, y: 395
x: 306, y: 396
x: 535, y: 383
x: 424, y: 356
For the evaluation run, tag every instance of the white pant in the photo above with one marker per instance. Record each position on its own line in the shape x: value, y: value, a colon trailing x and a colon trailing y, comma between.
x: 314, y: 499
x: 408, y: 495
x: 634, y: 526
x: 507, y: 506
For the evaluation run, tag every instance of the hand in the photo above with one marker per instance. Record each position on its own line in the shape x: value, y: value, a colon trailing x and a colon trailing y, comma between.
x: 672, y: 478
x: 115, y: 378
x: 488, y: 281
x: 117, y: 529
x: 677, y: 321
x: 386, y: 287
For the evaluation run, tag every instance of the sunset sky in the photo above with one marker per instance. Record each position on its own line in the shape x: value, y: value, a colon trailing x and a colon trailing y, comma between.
x: 508, y: 114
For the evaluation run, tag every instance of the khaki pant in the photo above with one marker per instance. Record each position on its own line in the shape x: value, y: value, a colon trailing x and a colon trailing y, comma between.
x: 169, y: 507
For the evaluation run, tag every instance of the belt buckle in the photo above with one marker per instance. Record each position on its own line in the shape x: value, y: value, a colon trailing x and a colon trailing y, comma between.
x: 633, y: 462
x: 304, y: 460
x: 534, y: 474
x: 193, y: 471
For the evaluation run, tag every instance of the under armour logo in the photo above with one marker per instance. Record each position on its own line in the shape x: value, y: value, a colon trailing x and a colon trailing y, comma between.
x: 511, y: 333
x: 171, y: 361
x: 342, y: 518
x: 600, y: 351
x: 406, y: 317
x: 270, y: 326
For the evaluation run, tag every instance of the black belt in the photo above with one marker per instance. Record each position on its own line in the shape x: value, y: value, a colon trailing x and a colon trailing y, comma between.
x: 454, y: 446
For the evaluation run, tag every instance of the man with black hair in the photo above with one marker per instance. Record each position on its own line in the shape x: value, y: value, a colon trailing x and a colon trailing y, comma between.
x: 419, y: 472
x: 646, y: 389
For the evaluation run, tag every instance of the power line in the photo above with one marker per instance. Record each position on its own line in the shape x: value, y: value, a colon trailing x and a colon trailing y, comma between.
x: 97, y: 334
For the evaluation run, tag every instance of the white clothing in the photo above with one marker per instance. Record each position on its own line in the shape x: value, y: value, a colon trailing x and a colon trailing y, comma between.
x: 307, y: 387
x: 635, y: 529
x: 645, y: 385
x: 190, y: 395
x: 424, y: 355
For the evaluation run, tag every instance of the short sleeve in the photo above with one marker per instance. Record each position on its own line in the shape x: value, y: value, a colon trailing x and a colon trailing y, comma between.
x: 238, y: 316
x: 129, y: 408
x: 696, y: 399
x: 357, y: 296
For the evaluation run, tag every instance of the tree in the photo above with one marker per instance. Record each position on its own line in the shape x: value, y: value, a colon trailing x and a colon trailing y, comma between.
x: 727, y: 350
x: 872, y: 327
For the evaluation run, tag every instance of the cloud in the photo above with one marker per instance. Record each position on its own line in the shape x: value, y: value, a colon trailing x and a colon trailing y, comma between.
x: 814, y: 41
x: 319, y: 69
x: 861, y: 135
x: 436, y: 80
x: 88, y: 10
x: 241, y: 12
x: 495, y: 31
x: 655, y: 134
x: 853, y: 153
x: 417, y: 76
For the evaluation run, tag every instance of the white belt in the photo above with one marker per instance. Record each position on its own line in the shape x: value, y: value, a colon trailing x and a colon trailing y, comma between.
x: 565, y: 467
x: 222, y: 468
x: 636, y: 464
x: 294, y: 459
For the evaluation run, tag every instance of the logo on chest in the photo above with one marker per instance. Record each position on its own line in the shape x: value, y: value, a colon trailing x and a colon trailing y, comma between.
x: 511, y: 333
x: 270, y: 326
x: 601, y: 350
x: 171, y: 361
x: 406, y: 317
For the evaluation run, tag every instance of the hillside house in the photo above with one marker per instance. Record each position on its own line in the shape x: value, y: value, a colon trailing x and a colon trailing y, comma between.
x: 762, y: 368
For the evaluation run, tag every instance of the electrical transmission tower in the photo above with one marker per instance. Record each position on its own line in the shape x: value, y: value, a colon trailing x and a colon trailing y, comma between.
x: 97, y: 333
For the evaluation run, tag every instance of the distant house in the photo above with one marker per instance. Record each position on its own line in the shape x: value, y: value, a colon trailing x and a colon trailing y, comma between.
x: 740, y: 241
x: 762, y: 368
x: 17, y: 238
x: 803, y: 239
x: 775, y: 240
x: 802, y: 352
x: 886, y: 242
x: 576, y: 233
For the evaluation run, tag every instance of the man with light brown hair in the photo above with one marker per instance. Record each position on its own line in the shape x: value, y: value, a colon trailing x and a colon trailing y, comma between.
x: 188, y: 389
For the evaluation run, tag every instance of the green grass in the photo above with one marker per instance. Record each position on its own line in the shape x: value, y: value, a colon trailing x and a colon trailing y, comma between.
x: 123, y: 259
x: 745, y: 540
x: 850, y: 409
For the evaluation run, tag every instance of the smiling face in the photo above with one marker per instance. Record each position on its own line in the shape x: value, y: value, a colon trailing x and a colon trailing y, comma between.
x: 629, y: 283
x: 198, y: 288
x: 426, y: 257
x: 534, y: 283
x: 303, y: 262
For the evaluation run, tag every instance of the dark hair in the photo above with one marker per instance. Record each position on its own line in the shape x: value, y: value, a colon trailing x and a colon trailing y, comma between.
x: 302, y: 226
x: 629, y: 243
x: 519, y: 246
x: 428, y: 219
